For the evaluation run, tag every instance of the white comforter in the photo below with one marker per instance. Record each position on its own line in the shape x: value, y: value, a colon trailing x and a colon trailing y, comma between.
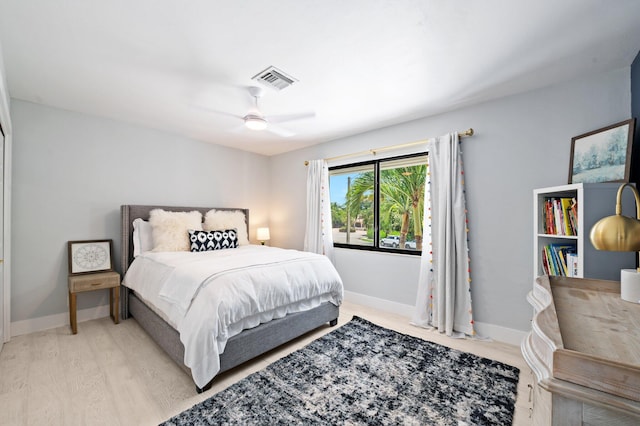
x: 211, y: 296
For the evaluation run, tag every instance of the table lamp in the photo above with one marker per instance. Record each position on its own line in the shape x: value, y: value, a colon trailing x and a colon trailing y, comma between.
x: 263, y: 235
x: 621, y: 233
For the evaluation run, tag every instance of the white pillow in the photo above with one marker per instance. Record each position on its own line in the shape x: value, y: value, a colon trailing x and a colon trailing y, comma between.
x: 142, y: 237
x: 216, y: 220
x: 171, y: 229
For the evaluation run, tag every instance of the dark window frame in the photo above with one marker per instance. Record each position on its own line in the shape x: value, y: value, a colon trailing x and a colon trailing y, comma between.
x: 376, y: 203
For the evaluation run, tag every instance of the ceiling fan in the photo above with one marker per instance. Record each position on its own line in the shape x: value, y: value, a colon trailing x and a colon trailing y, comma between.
x: 256, y: 120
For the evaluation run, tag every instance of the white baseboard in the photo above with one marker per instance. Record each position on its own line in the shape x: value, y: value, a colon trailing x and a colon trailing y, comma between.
x: 58, y: 320
x: 495, y: 332
x: 500, y: 333
x: 381, y: 304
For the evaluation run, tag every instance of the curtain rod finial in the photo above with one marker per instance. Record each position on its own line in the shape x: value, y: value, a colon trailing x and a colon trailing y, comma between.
x: 306, y: 163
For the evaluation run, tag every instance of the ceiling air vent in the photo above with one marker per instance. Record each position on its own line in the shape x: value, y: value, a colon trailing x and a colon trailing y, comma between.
x: 274, y: 78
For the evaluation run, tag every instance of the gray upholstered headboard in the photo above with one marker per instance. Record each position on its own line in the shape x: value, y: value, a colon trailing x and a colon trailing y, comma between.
x: 130, y: 212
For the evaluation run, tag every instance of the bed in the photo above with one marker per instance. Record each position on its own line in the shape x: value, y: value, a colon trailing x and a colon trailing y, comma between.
x: 288, y: 322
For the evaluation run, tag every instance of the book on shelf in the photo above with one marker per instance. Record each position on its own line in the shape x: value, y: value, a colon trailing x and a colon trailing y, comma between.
x: 549, y: 227
x: 545, y: 264
x: 565, y: 204
x: 560, y: 259
x: 547, y: 255
x: 560, y: 216
x: 572, y: 264
x: 563, y: 263
x: 573, y: 215
x: 557, y: 213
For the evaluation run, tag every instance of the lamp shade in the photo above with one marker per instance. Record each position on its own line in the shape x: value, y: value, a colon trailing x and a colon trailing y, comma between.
x: 263, y: 234
x: 616, y: 233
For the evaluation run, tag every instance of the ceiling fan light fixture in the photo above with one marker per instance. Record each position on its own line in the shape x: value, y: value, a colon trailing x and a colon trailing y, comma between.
x: 254, y: 122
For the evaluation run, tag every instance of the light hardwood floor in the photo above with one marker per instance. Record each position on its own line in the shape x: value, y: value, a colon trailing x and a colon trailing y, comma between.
x: 115, y: 375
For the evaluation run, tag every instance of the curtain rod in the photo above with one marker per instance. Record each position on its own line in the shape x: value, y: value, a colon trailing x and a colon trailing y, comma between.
x: 463, y: 134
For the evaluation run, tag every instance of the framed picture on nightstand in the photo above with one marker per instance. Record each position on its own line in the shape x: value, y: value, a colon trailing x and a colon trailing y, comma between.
x: 90, y: 256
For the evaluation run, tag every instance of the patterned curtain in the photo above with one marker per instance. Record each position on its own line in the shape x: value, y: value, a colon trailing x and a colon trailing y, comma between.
x: 444, y: 286
x: 318, y: 237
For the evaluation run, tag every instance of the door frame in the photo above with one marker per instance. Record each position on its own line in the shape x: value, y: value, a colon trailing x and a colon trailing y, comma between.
x: 5, y: 121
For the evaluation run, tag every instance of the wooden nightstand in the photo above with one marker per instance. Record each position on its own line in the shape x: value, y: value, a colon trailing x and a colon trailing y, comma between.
x: 90, y: 282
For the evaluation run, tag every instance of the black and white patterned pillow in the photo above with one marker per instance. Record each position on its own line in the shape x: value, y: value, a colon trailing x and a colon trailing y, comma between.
x: 213, y: 240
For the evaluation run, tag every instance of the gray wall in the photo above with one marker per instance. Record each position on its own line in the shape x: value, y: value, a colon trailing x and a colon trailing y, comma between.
x: 522, y: 142
x: 71, y: 172
x: 635, y: 112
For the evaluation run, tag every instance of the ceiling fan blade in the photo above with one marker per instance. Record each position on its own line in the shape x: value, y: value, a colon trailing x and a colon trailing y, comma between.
x: 280, y: 131
x: 289, y: 117
x: 238, y: 129
x: 213, y: 111
x: 227, y: 114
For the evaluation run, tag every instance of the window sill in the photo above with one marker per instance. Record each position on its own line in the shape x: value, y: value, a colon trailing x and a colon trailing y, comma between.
x: 406, y: 252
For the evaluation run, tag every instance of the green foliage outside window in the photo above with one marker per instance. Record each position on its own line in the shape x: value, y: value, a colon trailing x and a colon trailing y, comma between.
x: 401, y: 199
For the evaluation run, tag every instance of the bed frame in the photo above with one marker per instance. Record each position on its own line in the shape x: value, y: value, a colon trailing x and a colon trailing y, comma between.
x: 240, y: 348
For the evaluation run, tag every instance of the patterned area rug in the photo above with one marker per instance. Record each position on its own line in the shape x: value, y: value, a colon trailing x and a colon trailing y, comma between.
x: 361, y: 373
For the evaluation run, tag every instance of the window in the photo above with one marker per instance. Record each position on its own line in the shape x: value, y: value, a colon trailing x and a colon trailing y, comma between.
x: 378, y: 205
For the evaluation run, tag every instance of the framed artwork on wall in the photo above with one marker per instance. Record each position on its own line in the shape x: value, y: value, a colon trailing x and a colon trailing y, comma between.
x: 603, y: 155
x: 90, y: 256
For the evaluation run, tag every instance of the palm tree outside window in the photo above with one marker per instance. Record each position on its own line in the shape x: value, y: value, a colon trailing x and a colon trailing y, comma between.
x: 378, y: 205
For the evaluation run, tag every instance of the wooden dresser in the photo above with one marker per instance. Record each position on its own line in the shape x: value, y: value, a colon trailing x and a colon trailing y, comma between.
x: 584, y: 349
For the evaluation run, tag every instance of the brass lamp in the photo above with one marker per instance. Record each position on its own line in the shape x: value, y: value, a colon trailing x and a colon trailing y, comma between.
x: 621, y: 233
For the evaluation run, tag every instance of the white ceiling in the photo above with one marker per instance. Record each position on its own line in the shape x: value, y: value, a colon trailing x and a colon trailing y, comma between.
x: 184, y: 66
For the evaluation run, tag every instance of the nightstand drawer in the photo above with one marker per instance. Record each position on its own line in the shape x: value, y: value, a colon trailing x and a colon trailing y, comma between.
x: 90, y: 282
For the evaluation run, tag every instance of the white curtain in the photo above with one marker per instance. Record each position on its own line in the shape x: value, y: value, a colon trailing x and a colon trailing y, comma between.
x: 318, y: 237
x: 444, y: 295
